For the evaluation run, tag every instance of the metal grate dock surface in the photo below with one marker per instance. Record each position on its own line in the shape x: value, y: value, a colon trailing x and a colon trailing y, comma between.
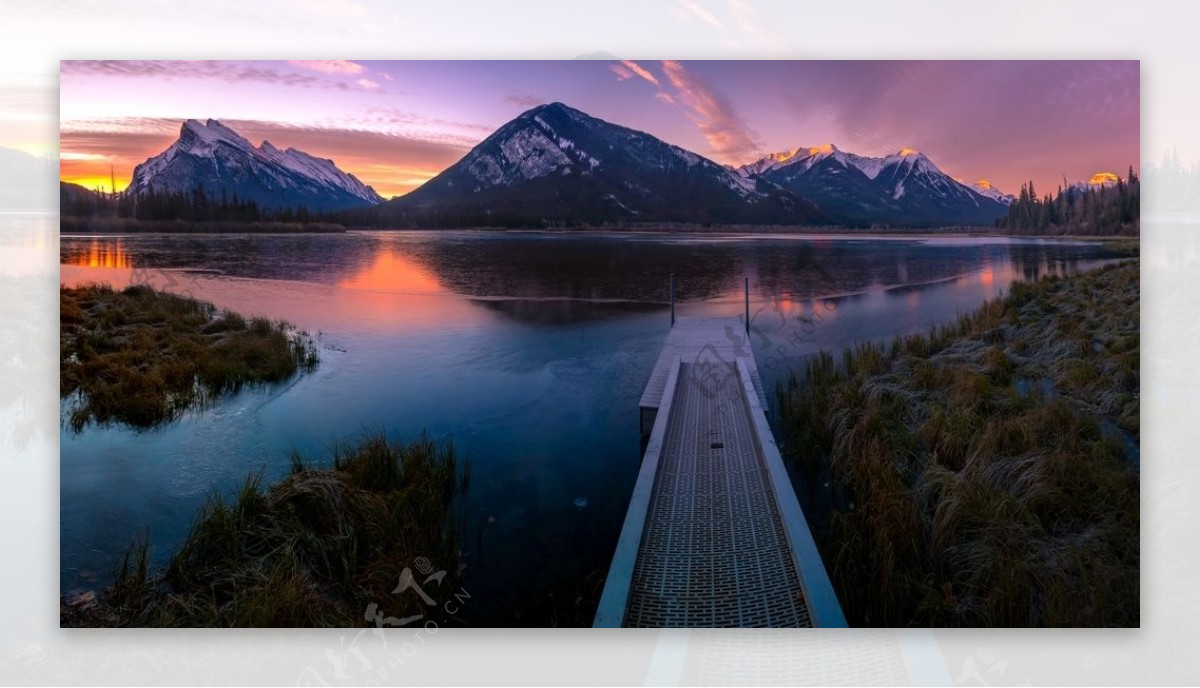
x: 713, y: 552
x: 706, y: 341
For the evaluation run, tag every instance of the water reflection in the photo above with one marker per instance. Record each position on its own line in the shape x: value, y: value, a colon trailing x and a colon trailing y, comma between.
x: 529, y: 349
x: 102, y: 253
x: 393, y: 271
x: 593, y: 267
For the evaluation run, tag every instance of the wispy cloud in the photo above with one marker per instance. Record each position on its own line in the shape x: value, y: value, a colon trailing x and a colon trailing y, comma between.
x: 623, y: 73
x: 368, y: 85
x: 632, y: 68
x: 694, y: 10
x: 665, y: 97
x: 228, y: 72
x: 727, y: 134
x: 330, y: 66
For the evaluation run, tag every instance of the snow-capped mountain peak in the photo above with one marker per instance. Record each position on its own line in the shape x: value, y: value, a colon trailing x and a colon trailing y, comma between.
x: 555, y: 139
x: 194, y: 136
x: 903, y: 186
x: 988, y: 190
x: 554, y: 161
x: 804, y: 156
x: 911, y: 157
x: 216, y: 157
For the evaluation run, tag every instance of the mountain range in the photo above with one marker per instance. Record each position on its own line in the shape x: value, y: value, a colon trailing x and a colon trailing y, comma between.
x: 555, y: 165
x: 216, y: 157
x: 905, y: 188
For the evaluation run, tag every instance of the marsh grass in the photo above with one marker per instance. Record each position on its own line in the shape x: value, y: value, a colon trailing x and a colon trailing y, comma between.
x: 315, y: 549
x: 142, y: 357
x: 960, y: 499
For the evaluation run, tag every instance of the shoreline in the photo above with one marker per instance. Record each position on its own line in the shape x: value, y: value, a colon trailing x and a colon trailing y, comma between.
x: 749, y: 232
x: 1027, y: 410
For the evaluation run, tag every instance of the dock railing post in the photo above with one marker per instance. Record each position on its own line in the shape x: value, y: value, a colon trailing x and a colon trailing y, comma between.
x: 747, y: 305
x: 672, y: 299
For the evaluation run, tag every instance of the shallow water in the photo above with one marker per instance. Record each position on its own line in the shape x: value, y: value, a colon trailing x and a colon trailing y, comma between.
x: 528, y: 349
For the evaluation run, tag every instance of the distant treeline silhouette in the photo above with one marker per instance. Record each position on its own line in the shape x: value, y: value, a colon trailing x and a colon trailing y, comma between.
x: 192, y: 206
x: 1099, y: 209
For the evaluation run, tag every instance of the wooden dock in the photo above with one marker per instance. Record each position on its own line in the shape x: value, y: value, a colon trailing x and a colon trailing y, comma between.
x: 714, y: 535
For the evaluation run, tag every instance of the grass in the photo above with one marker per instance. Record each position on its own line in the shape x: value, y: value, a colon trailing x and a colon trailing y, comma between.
x: 973, y: 480
x: 319, y: 548
x: 141, y: 357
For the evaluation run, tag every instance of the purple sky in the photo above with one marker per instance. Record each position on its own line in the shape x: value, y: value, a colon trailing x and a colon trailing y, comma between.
x: 396, y: 124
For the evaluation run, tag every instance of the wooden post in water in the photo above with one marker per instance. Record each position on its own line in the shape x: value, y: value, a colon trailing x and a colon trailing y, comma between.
x: 747, y: 305
x: 672, y: 299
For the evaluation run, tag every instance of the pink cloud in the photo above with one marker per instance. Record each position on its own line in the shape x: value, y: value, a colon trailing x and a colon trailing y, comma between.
x: 665, y: 97
x: 639, y: 70
x: 621, y: 71
x: 368, y: 85
x: 330, y: 66
x: 727, y: 134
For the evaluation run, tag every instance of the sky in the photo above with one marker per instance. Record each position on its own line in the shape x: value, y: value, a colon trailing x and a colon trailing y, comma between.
x: 394, y: 125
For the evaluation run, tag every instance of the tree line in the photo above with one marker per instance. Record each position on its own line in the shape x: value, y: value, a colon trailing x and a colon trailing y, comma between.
x: 196, y: 205
x: 1095, y: 210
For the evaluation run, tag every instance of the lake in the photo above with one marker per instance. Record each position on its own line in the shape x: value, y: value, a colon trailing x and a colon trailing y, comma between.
x: 528, y: 349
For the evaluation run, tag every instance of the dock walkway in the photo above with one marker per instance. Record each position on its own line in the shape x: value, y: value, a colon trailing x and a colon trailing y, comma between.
x: 714, y: 535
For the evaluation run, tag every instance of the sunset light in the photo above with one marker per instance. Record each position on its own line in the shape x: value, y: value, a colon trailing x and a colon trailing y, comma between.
x: 357, y: 114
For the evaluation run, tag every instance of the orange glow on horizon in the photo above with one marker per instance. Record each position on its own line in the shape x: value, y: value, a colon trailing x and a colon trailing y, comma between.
x: 1104, y: 178
x: 95, y: 174
x: 908, y: 151
x: 98, y: 184
x: 387, y: 181
x: 983, y: 184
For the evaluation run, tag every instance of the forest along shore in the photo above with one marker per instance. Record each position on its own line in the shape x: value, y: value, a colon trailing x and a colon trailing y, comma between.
x: 985, y: 473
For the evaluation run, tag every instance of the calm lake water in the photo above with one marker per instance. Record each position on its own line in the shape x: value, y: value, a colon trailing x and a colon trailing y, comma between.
x: 529, y: 350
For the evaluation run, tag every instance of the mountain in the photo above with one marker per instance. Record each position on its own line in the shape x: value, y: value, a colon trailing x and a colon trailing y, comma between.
x: 76, y: 200
x: 556, y: 165
x: 985, y: 188
x: 1100, y: 180
x: 902, y: 189
x: 216, y: 157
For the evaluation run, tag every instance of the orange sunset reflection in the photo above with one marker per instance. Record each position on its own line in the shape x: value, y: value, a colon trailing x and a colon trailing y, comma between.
x: 109, y: 255
x: 393, y: 272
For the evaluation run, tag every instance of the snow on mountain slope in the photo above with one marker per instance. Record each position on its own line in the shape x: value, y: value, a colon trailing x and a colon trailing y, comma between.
x: 988, y: 190
x: 556, y: 162
x: 905, y: 187
x: 216, y: 157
